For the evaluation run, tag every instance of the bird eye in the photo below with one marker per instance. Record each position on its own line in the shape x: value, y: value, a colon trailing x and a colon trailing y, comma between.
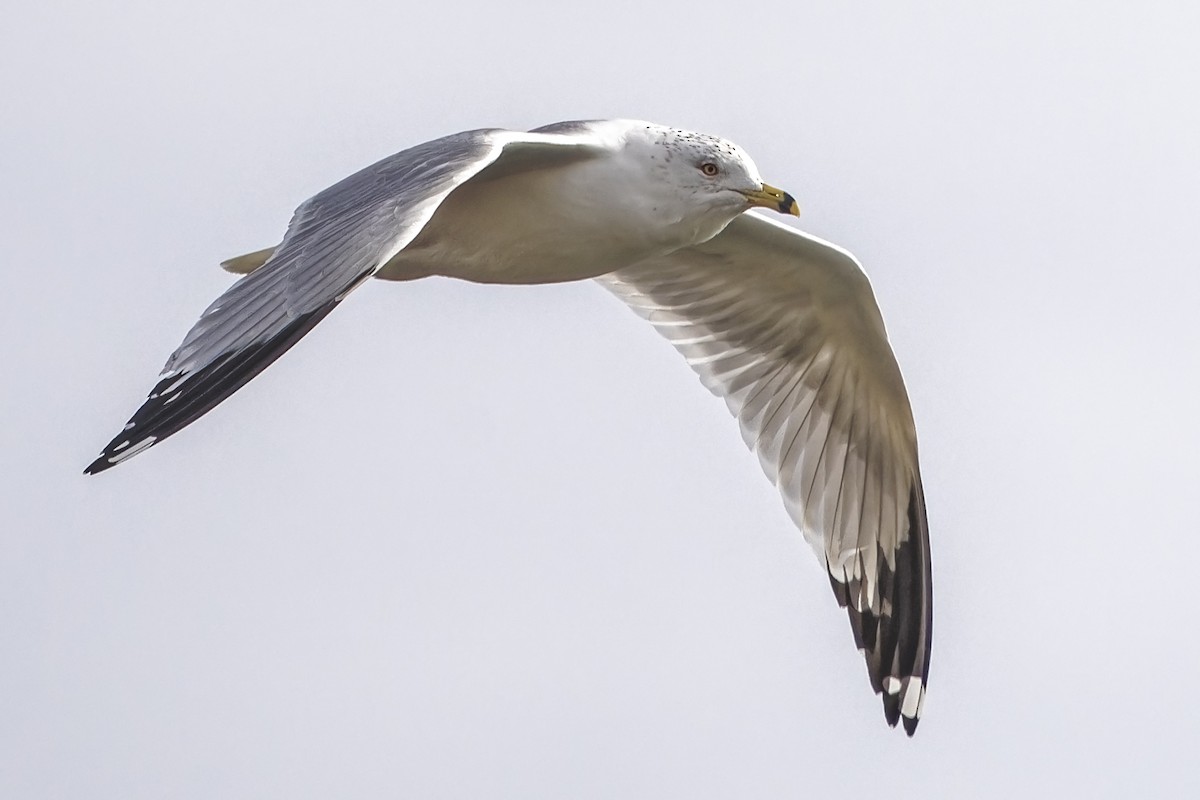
x: 710, y: 169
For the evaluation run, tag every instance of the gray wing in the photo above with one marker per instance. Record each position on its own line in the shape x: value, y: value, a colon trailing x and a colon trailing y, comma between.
x: 785, y: 328
x: 335, y: 241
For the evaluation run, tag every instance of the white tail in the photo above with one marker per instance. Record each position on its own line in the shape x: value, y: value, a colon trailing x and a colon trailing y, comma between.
x: 244, y: 265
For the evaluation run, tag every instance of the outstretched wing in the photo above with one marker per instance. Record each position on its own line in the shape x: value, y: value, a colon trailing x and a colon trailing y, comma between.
x: 335, y: 241
x: 785, y: 328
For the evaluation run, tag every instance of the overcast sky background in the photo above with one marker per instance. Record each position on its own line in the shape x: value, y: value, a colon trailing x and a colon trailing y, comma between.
x: 469, y: 542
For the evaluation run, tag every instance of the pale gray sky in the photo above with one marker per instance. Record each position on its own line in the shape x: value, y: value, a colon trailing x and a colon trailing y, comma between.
x: 470, y: 542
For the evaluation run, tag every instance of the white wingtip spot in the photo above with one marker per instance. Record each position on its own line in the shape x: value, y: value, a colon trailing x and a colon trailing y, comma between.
x: 891, y: 685
x: 137, y: 448
x: 175, y: 385
x: 913, y: 694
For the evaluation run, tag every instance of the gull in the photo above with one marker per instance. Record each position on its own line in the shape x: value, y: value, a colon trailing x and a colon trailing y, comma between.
x: 782, y: 325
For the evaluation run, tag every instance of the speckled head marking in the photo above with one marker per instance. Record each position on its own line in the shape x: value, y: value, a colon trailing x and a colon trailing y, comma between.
x: 711, y: 171
x: 696, y: 147
x: 677, y: 147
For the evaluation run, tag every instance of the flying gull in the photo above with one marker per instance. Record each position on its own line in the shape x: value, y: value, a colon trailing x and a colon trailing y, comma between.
x: 782, y: 325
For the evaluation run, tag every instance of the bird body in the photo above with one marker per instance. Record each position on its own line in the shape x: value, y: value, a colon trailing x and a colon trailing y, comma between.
x: 781, y: 325
x: 562, y: 232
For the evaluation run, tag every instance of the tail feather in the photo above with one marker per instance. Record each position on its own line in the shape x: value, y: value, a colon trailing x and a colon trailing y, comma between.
x: 245, y: 264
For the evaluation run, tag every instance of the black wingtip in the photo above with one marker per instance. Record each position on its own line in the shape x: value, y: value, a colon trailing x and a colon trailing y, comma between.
x: 179, y: 399
x: 128, y: 443
x: 896, y: 637
x: 112, y: 454
x: 891, y: 708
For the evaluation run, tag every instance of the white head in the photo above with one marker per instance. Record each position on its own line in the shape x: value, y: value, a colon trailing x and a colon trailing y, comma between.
x: 708, y: 180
